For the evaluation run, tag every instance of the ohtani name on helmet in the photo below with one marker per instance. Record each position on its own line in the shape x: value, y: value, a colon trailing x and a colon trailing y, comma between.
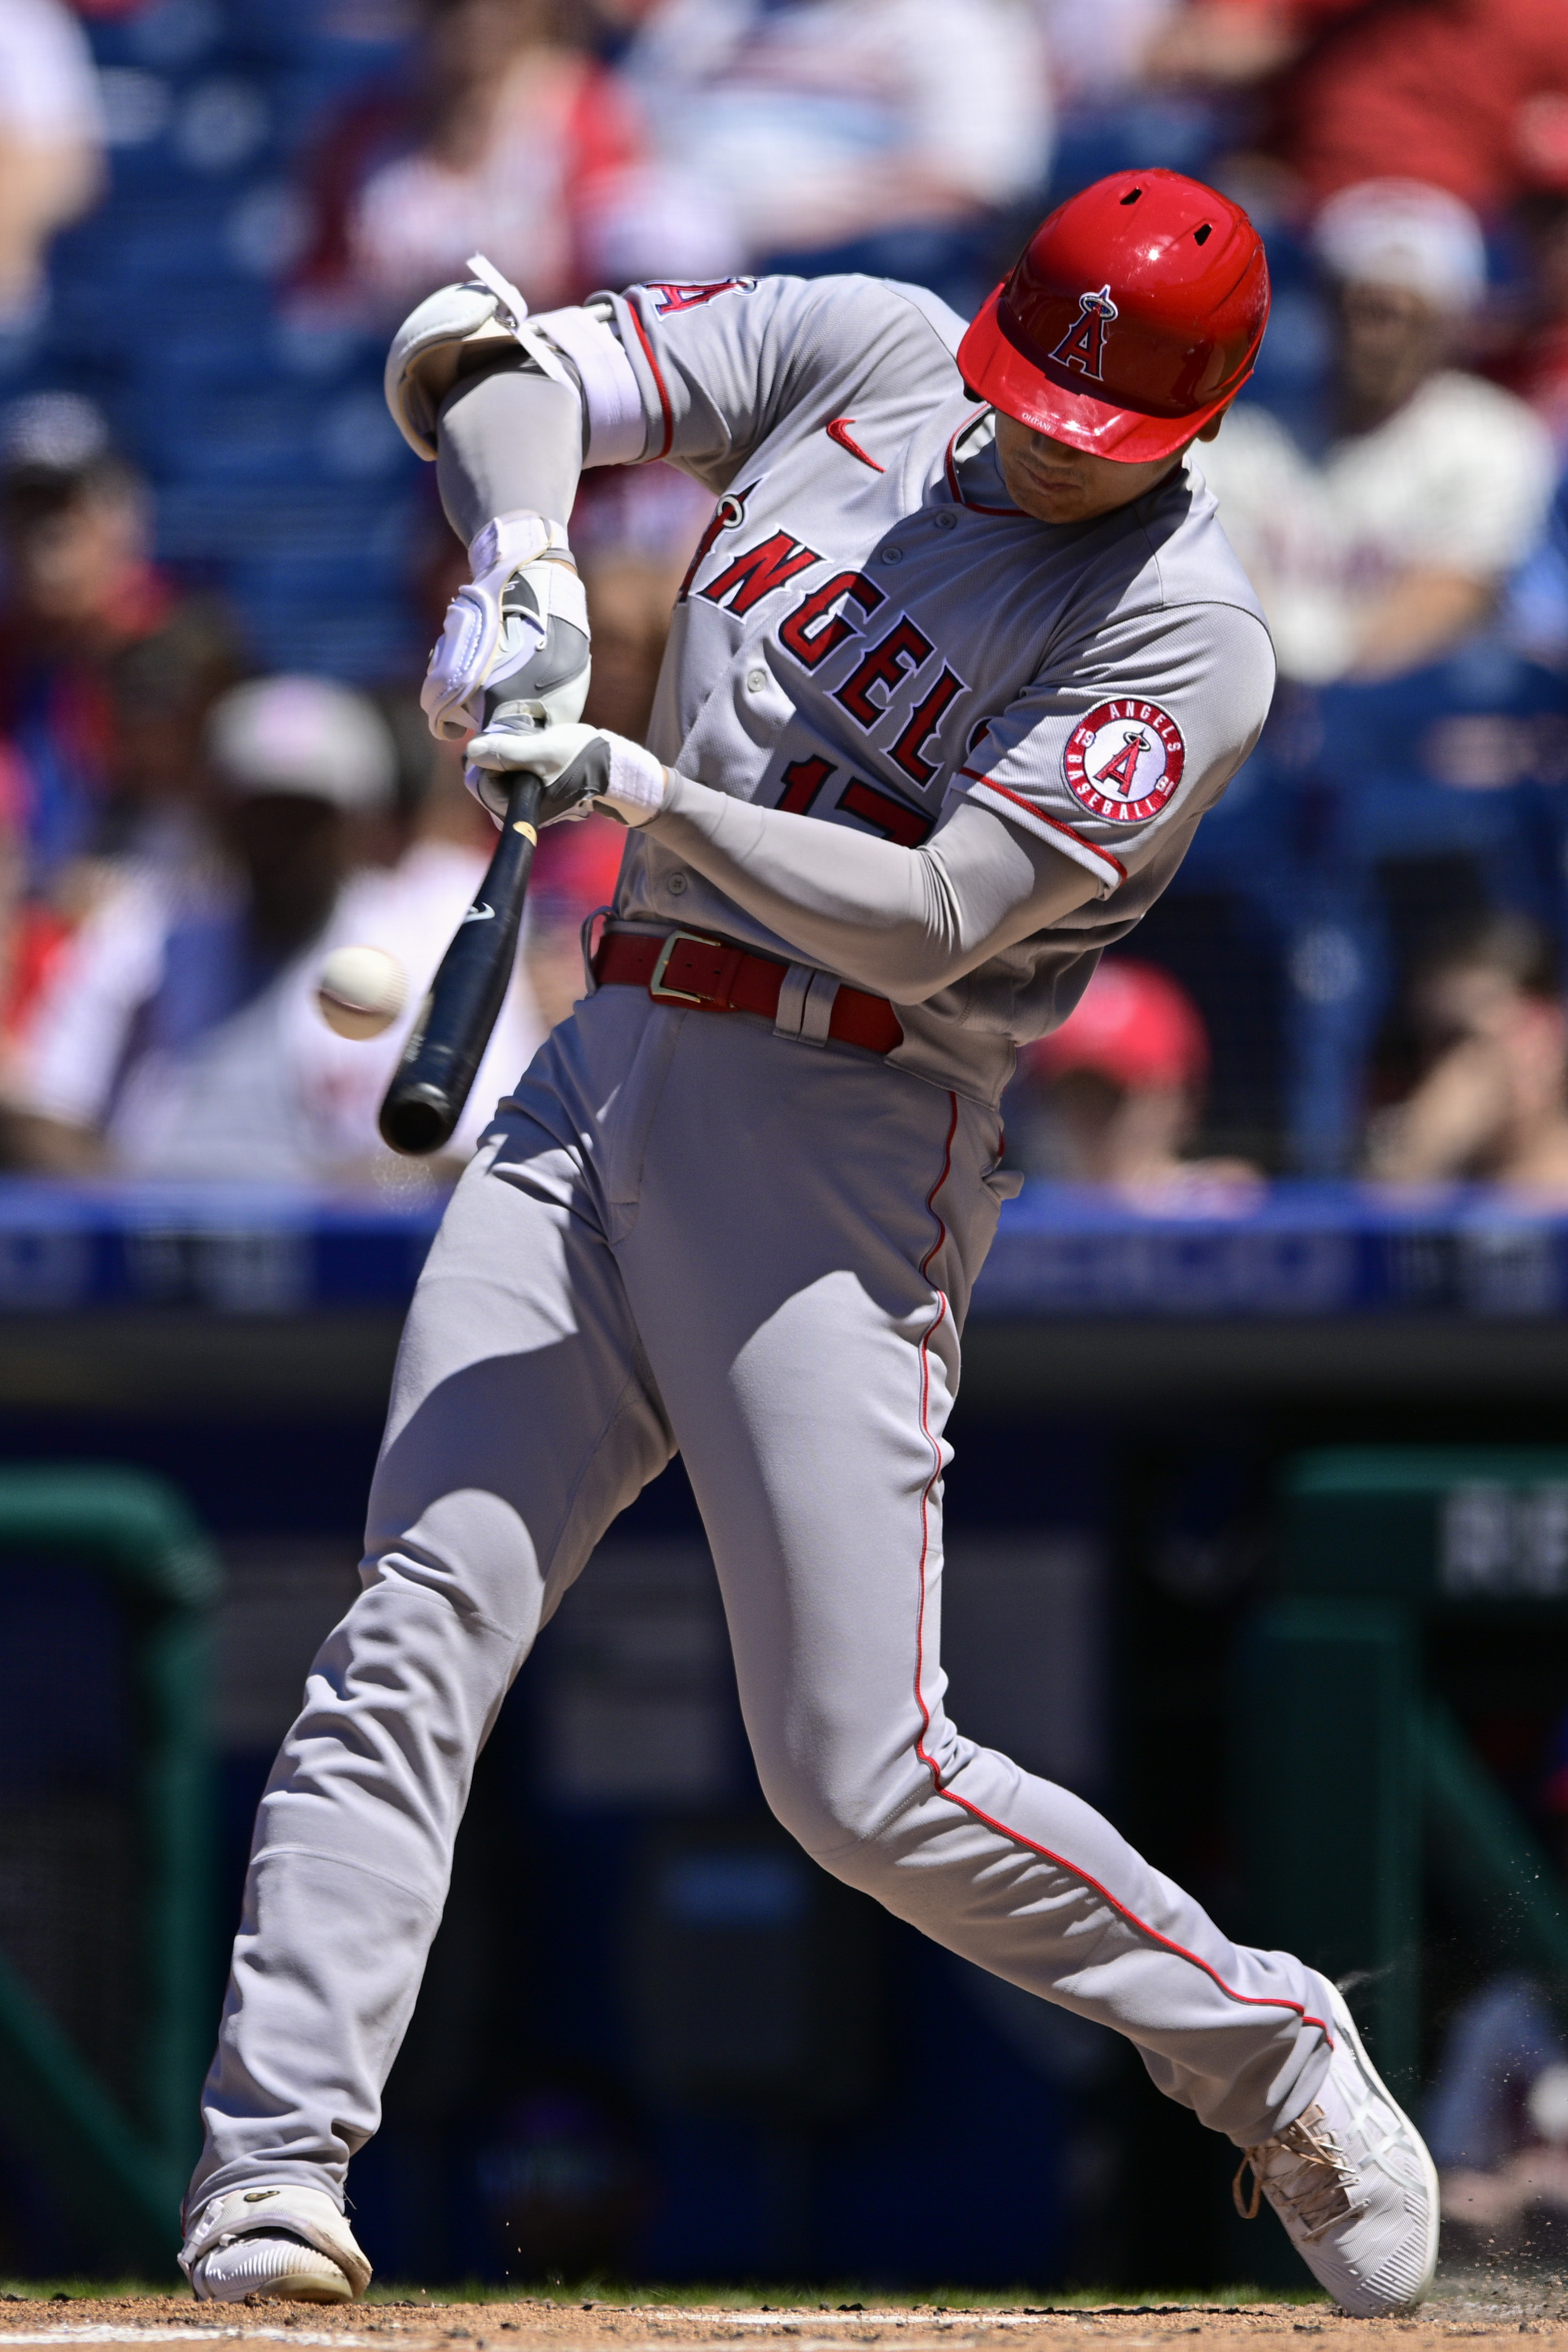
x: 1123, y: 760
x: 1083, y: 344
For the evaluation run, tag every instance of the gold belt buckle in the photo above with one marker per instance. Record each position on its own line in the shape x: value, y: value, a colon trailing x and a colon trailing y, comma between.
x: 656, y: 989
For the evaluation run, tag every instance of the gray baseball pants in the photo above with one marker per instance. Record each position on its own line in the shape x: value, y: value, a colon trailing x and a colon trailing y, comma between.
x: 686, y: 1231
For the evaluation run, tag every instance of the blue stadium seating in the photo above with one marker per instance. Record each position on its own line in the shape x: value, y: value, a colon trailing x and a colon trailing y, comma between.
x: 278, y: 475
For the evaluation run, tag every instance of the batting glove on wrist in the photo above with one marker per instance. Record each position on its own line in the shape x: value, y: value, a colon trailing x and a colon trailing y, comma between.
x: 516, y: 632
x: 580, y: 768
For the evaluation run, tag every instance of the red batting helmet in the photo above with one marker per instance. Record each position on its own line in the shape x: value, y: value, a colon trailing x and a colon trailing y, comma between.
x: 1134, y: 313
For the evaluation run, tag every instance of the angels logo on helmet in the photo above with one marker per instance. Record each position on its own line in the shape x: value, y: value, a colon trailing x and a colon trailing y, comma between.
x: 1083, y: 344
x: 1123, y: 760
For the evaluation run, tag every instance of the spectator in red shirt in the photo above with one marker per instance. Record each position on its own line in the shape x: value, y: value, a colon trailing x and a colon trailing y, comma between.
x: 1470, y: 95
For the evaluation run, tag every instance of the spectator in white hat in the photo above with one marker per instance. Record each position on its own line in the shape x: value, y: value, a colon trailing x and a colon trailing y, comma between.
x: 179, y: 1036
x: 1385, y: 550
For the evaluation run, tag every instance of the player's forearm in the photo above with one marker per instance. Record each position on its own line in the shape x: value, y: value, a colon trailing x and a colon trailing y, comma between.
x: 904, y: 923
x: 878, y: 915
x: 509, y: 446
x: 509, y: 442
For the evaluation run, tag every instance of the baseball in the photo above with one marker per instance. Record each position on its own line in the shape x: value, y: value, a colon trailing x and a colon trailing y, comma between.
x: 362, y: 991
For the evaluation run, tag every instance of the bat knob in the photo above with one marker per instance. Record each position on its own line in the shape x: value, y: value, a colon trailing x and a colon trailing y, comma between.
x: 418, y: 1119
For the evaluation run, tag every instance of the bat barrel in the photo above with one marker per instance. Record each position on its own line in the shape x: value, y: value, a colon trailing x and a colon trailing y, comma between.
x: 424, y: 1101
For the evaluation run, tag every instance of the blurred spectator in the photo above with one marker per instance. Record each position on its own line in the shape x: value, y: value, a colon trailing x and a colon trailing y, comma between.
x: 1384, y: 549
x: 160, y: 688
x: 179, y: 1035
x: 105, y: 679
x: 1528, y: 355
x: 574, y: 878
x: 1536, y: 612
x: 506, y: 137
x: 1113, y: 1096
x: 634, y: 530
x: 1492, y: 1099
x: 1496, y: 2114
x: 882, y: 135
x: 79, y: 588
x: 1529, y: 351
x: 51, y: 142
x: 1470, y: 96
x: 1496, y: 2120
x: 1100, y: 54
x: 1230, y: 43
x: 157, y: 692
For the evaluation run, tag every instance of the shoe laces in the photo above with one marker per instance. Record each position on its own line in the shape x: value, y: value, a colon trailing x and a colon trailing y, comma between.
x: 1315, y: 2184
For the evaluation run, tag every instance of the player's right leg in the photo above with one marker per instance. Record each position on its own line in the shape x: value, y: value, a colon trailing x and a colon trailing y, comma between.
x: 801, y: 1282
x: 522, y: 1421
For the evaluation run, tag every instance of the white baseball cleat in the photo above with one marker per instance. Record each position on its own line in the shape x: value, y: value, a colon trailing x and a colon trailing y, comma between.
x: 1353, y: 2185
x: 277, y: 2239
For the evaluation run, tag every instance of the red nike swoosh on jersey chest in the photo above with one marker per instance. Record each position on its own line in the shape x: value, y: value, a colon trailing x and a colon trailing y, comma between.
x: 839, y: 431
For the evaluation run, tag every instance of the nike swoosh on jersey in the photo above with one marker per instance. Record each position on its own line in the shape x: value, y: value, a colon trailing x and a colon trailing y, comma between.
x: 839, y: 431
x: 479, y: 914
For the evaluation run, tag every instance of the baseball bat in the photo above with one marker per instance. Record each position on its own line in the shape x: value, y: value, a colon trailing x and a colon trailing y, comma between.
x: 424, y: 1101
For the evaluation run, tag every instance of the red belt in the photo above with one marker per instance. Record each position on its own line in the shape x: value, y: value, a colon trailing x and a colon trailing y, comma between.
x: 713, y: 976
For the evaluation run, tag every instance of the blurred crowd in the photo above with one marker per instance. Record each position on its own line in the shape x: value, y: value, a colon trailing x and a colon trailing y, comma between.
x: 1496, y: 2111
x: 185, y: 828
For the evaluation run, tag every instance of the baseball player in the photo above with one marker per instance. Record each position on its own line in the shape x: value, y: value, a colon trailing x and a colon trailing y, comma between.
x: 960, y: 662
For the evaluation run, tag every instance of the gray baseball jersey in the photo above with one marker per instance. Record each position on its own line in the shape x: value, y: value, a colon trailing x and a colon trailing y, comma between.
x: 870, y: 629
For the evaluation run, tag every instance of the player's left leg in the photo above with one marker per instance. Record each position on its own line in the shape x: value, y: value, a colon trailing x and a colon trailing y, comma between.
x: 808, y: 1230
x: 521, y: 1421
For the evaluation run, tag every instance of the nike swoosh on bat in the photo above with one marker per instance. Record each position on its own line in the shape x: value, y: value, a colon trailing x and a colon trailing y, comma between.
x: 479, y: 914
x: 839, y: 431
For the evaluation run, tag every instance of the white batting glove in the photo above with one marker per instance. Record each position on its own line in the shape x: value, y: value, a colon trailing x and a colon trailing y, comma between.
x: 581, y: 767
x: 517, y: 632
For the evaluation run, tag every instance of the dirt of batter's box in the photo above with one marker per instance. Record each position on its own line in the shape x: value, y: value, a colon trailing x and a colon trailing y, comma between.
x: 1479, y: 2309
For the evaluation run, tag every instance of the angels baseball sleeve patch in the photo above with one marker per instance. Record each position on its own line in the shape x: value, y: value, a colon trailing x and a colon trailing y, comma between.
x: 1123, y: 760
